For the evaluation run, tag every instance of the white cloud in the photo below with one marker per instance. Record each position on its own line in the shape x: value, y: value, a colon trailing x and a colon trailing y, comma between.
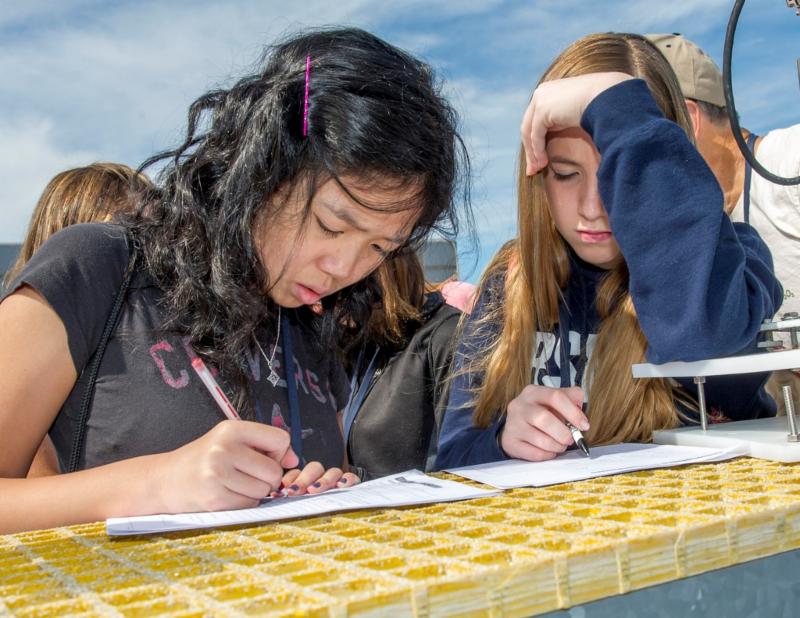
x: 28, y: 165
x: 491, y: 119
x: 651, y: 16
x: 20, y: 14
x: 116, y: 84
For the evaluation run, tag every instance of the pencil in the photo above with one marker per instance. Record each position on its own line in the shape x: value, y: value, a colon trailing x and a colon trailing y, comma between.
x: 214, y: 389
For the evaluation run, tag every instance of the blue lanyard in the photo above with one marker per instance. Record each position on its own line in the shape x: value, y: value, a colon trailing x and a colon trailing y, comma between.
x: 291, y: 385
x: 356, y: 397
x: 748, y: 174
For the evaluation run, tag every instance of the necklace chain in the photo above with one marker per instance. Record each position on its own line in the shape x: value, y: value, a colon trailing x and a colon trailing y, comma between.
x: 273, y: 375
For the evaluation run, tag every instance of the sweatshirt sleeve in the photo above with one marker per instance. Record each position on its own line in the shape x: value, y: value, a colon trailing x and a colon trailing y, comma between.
x: 460, y: 442
x: 701, y: 287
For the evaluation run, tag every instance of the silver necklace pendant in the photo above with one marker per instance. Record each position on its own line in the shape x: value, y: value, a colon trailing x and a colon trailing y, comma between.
x: 273, y: 376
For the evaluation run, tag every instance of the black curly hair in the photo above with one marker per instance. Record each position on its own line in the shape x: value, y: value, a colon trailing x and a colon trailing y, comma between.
x: 374, y: 112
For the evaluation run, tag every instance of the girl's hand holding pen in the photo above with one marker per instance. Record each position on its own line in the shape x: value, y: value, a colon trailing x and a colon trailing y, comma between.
x: 535, y: 428
x: 233, y: 466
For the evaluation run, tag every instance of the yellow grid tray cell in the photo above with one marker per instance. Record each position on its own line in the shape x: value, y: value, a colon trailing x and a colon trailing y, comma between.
x: 18, y: 601
x: 309, y: 578
x: 160, y: 607
x: 384, y: 563
x: 356, y: 586
x: 57, y: 609
x: 383, y: 603
x: 418, y: 543
x: 384, y: 537
x: 284, y: 567
x: 115, y: 579
x: 239, y: 591
x: 429, y: 571
x: 355, y: 554
x: 280, y: 607
x: 21, y: 575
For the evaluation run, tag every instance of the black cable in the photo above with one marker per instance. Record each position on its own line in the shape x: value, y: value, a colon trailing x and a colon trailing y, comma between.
x: 731, y: 107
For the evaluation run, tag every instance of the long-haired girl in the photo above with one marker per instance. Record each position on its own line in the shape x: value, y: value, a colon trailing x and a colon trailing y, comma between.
x: 624, y: 255
x: 289, y: 188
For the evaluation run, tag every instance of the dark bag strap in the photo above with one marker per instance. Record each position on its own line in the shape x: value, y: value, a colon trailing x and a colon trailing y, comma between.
x: 88, y: 393
x: 291, y: 385
x: 748, y: 174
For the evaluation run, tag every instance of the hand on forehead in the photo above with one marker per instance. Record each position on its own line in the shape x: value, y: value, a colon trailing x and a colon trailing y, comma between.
x: 556, y: 105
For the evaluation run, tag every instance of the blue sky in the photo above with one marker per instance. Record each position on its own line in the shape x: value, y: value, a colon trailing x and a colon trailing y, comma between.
x: 92, y: 80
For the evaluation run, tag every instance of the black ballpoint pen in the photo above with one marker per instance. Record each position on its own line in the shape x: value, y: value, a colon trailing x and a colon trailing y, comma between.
x: 578, y: 437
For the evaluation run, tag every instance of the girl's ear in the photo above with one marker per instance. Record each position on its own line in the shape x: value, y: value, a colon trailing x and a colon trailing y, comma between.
x: 695, y: 116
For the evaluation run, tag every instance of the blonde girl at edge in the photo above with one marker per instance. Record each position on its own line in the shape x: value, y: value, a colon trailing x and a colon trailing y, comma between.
x: 94, y: 192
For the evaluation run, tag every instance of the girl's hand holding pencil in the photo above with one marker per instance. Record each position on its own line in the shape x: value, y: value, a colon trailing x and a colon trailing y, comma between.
x: 259, y: 480
x: 233, y: 466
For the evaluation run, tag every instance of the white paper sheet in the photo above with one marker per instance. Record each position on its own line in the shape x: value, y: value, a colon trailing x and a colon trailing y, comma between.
x: 406, y: 488
x: 604, y: 461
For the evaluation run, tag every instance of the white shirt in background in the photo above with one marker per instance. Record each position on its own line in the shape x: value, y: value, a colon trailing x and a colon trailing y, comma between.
x: 775, y: 209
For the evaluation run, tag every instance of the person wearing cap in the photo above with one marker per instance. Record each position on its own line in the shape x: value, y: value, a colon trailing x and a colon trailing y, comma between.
x: 773, y: 210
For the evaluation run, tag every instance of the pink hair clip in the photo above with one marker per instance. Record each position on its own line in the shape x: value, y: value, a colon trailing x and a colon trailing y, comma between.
x: 305, y: 98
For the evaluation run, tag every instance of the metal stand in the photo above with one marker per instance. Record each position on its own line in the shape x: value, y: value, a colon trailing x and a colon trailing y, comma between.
x: 792, y: 315
x: 789, y: 402
x: 701, y: 400
x: 789, y: 323
x: 765, y: 438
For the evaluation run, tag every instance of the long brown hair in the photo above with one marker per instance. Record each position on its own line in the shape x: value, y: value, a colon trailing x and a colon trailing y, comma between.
x: 536, y: 269
x: 400, y: 291
x: 401, y: 280
x: 80, y: 195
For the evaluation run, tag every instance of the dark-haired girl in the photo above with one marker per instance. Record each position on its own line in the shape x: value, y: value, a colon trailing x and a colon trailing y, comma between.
x: 288, y: 190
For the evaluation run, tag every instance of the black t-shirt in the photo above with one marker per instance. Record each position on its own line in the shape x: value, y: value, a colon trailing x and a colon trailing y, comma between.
x: 147, y: 397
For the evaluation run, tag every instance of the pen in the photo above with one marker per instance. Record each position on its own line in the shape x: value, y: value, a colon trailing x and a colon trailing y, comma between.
x: 213, y: 388
x: 578, y: 437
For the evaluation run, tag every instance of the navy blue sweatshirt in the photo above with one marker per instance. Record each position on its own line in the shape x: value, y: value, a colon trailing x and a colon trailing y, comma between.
x: 701, y: 284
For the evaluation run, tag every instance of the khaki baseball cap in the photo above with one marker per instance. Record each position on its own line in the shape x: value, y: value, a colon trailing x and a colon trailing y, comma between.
x: 699, y: 77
